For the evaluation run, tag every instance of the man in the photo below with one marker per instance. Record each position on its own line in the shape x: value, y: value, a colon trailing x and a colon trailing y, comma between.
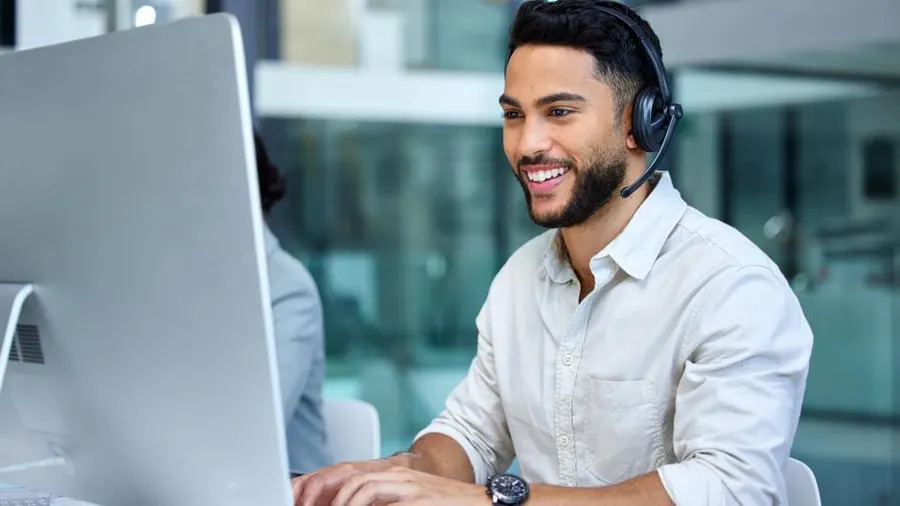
x: 299, y: 336
x: 638, y: 353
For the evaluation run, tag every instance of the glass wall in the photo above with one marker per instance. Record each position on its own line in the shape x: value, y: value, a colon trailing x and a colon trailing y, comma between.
x: 403, y: 226
x: 815, y: 186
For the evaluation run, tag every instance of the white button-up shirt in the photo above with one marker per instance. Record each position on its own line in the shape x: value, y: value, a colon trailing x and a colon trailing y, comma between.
x: 688, y: 358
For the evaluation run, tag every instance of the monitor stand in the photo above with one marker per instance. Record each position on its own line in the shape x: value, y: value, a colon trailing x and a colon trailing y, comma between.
x: 12, y: 298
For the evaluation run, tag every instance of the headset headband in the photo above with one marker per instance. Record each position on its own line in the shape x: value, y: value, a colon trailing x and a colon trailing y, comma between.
x: 655, y: 60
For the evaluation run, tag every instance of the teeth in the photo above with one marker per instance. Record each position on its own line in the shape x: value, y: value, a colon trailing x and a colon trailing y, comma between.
x: 542, y: 175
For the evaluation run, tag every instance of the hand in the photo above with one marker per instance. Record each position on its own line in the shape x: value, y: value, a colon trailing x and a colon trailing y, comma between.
x: 401, y: 486
x: 320, y: 487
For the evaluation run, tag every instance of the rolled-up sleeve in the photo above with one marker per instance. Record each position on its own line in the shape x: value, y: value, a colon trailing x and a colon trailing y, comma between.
x: 473, y: 414
x: 738, y: 401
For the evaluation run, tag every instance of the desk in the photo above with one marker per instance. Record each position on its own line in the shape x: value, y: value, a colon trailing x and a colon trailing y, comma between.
x: 16, y: 496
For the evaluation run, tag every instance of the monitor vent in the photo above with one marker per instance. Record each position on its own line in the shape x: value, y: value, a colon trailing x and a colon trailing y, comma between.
x: 14, y: 350
x: 26, y: 345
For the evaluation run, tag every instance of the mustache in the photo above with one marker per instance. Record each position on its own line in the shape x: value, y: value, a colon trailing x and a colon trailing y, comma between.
x: 544, y: 160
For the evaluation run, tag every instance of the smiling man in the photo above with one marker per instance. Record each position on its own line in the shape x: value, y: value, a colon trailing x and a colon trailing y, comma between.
x: 636, y: 353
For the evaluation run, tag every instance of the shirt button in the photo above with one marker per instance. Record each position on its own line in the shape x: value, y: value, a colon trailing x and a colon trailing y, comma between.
x: 563, y: 440
x: 567, y: 359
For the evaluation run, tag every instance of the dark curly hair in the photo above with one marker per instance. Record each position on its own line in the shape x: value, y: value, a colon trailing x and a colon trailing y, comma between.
x: 271, y: 184
x: 621, y: 61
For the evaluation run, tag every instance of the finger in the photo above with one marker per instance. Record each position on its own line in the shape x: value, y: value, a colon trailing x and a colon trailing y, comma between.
x: 349, y: 487
x: 353, y: 484
x: 385, y: 491
x: 297, y: 488
x: 319, y: 488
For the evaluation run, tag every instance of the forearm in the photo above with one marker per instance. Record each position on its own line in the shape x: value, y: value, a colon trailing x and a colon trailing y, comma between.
x: 646, y: 490
x: 439, y: 455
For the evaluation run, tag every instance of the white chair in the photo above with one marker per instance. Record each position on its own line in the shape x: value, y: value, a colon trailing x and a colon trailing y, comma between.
x: 354, y: 430
x: 802, y: 488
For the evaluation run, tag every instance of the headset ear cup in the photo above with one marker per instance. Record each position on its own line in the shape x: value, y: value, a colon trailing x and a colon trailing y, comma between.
x: 648, y: 120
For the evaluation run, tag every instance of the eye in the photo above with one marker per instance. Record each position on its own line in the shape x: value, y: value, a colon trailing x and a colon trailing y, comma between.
x: 556, y: 111
x: 510, y: 114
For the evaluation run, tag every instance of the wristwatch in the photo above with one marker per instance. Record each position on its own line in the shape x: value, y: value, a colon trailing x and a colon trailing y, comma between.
x: 507, y: 490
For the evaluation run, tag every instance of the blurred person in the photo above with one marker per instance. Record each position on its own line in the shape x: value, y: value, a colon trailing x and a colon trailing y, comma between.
x: 637, y: 352
x: 299, y: 334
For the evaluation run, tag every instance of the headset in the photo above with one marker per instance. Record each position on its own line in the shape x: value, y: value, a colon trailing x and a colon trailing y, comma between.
x: 654, y: 115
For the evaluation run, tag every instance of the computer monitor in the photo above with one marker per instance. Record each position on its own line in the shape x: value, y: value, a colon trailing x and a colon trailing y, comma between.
x: 143, y: 366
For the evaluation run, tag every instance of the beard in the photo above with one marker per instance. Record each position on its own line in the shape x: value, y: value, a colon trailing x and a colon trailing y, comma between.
x: 595, y: 184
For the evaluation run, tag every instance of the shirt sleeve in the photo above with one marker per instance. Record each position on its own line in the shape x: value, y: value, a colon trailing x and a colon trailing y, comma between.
x: 738, y: 401
x: 299, y: 332
x: 473, y: 414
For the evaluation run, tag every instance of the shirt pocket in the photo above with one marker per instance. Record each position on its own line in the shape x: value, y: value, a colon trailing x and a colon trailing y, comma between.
x: 622, y: 435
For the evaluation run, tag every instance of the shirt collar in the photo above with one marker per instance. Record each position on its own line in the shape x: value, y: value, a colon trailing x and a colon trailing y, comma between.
x: 556, y: 264
x: 636, y: 249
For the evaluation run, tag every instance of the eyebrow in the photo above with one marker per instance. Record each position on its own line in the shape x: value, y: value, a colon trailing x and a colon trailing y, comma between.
x: 546, y: 100
x: 508, y: 100
x: 560, y: 97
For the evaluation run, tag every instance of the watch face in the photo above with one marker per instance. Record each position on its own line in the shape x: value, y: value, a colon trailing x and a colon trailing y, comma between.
x: 509, y: 489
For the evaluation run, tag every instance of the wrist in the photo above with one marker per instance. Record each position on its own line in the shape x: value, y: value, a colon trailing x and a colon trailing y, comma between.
x: 405, y: 459
x: 479, y: 497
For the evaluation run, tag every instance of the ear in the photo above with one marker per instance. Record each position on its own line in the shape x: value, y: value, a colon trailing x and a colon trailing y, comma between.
x: 625, y: 121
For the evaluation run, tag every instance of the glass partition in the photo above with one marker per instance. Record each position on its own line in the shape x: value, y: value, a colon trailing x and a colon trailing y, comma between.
x: 813, y: 183
x: 403, y: 226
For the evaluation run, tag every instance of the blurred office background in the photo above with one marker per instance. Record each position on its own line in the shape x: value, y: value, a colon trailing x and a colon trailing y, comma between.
x: 382, y: 114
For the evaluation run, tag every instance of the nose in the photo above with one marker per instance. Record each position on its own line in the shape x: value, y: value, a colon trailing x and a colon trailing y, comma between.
x: 535, y: 138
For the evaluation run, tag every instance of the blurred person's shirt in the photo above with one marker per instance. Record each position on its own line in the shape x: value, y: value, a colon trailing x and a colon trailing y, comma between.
x: 300, y: 348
